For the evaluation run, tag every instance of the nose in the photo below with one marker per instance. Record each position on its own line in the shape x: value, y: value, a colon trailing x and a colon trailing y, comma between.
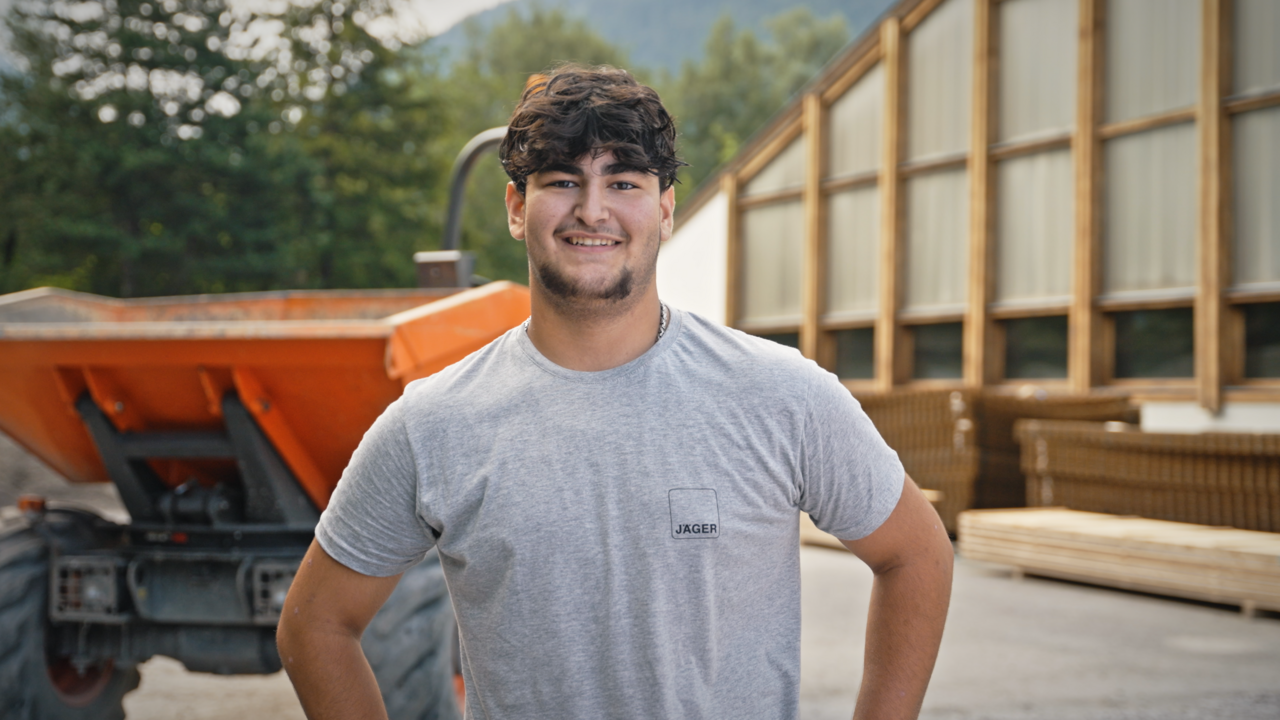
x: 592, y: 209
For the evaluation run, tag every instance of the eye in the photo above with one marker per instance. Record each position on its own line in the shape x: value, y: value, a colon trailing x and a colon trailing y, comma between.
x: 562, y: 184
x: 624, y: 185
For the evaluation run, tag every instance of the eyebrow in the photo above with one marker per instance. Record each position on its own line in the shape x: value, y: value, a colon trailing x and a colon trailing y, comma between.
x: 616, y: 168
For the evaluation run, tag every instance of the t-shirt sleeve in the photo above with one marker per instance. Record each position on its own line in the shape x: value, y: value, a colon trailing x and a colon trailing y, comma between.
x: 851, y: 479
x: 372, y: 523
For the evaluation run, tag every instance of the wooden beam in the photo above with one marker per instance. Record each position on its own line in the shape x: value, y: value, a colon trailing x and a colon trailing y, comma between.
x: 733, y: 266
x: 977, y: 319
x: 814, y: 280
x: 770, y: 150
x: 1006, y: 150
x: 1149, y: 122
x: 1253, y: 102
x: 886, y: 330
x: 917, y: 15
x: 1209, y: 310
x: 1083, y: 361
x: 852, y: 75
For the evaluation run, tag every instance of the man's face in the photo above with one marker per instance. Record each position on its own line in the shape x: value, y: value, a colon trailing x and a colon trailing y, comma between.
x: 592, y: 230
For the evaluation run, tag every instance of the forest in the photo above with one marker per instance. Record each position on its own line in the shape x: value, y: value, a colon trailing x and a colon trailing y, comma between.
x: 201, y: 146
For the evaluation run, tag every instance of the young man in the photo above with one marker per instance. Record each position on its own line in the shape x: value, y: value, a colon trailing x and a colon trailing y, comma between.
x: 614, y: 487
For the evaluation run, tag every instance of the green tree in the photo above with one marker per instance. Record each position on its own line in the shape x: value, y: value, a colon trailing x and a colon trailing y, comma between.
x: 741, y: 81
x: 182, y: 147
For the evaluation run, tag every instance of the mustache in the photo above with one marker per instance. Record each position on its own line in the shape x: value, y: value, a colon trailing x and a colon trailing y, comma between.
x: 578, y: 227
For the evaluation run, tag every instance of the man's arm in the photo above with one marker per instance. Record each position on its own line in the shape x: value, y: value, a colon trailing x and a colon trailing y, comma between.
x: 328, y: 607
x: 911, y: 557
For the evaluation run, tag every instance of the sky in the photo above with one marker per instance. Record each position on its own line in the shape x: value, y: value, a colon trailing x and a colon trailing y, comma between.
x: 432, y: 16
x: 440, y: 15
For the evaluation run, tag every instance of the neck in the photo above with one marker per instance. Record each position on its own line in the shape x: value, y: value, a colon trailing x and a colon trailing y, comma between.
x: 590, y: 339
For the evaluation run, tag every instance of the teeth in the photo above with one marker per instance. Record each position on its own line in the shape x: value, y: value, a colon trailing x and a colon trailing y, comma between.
x: 591, y: 242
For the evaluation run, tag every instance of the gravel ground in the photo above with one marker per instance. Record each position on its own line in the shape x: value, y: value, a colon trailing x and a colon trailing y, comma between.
x: 1030, y: 649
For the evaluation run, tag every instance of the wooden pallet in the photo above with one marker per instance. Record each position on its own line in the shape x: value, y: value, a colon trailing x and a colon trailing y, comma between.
x: 1199, y: 562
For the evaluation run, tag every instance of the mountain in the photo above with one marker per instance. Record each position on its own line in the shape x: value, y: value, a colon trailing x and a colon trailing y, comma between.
x: 661, y: 34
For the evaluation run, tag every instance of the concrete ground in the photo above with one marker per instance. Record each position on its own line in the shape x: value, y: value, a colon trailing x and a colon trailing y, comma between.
x: 1029, y: 649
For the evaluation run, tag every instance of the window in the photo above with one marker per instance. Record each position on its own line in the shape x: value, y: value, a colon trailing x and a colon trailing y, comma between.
x: 938, y: 351
x: 1262, y: 340
x: 1154, y: 344
x: 855, y: 353
x: 1035, y: 347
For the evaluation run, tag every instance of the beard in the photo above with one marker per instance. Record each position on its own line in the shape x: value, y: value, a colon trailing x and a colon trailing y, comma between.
x: 572, y: 295
x: 564, y: 289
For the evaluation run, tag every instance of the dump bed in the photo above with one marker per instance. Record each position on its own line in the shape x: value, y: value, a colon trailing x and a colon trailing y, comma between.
x: 315, y: 368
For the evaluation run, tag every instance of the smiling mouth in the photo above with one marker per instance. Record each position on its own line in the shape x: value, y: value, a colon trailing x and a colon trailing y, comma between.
x: 590, y: 242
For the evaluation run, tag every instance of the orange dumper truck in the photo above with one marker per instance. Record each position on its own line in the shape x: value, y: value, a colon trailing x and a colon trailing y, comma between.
x: 225, y: 423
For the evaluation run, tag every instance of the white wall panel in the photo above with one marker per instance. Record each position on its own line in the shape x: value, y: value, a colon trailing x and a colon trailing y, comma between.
x: 940, y: 81
x: 937, y: 232
x: 693, y: 263
x: 1257, y: 196
x: 853, y: 259
x: 1035, y: 225
x: 1257, y: 52
x: 1149, y: 227
x: 772, y: 258
x: 854, y: 126
x: 784, y: 172
x: 1153, y: 57
x: 1037, y: 67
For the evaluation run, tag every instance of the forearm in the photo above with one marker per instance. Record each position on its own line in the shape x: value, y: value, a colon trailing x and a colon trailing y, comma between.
x: 330, y: 673
x: 904, y: 628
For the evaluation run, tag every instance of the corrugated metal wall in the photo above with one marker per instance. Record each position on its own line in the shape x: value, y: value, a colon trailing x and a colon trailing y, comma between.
x: 1037, y: 87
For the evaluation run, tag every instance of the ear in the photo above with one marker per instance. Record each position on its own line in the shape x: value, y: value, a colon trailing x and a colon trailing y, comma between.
x: 667, y: 208
x: 515, y: 212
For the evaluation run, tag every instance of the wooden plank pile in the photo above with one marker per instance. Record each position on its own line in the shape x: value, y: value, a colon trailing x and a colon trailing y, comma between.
x: 1208, y: 478
x: 960, y: 443
x: 1199, y: 562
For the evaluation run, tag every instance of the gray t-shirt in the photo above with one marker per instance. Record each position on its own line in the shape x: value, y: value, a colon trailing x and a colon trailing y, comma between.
x: 624, y: 543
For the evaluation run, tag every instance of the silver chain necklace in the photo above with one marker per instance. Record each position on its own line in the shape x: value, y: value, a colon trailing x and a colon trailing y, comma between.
x: 664, y: 317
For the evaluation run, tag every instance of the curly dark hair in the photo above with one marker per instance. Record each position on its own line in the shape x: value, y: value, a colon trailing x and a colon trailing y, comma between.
x: 574, y: 110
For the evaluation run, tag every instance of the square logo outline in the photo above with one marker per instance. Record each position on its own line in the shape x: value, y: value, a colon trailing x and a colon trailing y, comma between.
x: 670, y: 509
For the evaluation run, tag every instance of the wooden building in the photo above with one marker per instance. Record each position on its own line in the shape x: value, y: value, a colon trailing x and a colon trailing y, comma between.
x: 1083, y: 195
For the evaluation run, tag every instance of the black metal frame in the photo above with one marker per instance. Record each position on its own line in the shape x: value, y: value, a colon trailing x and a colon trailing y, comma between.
x: 269, y: 493
x: 198, y: 570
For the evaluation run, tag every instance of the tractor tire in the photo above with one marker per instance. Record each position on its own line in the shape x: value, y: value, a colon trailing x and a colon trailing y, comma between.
x: 410, y: 646
x: 34, y: 686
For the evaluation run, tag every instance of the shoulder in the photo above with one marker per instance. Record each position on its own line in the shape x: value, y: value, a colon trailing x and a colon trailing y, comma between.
x: 465, y: 382
x: 712, y: 349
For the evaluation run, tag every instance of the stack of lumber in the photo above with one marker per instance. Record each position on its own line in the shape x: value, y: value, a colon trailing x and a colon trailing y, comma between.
x: 1210, y: 478
x: 933, y: 434
x: 1214, y: 564
x: 1001, y: 482
x: 960, y: 443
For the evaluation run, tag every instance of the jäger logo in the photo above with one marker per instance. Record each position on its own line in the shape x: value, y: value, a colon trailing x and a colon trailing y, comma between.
x: 695, y: 513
